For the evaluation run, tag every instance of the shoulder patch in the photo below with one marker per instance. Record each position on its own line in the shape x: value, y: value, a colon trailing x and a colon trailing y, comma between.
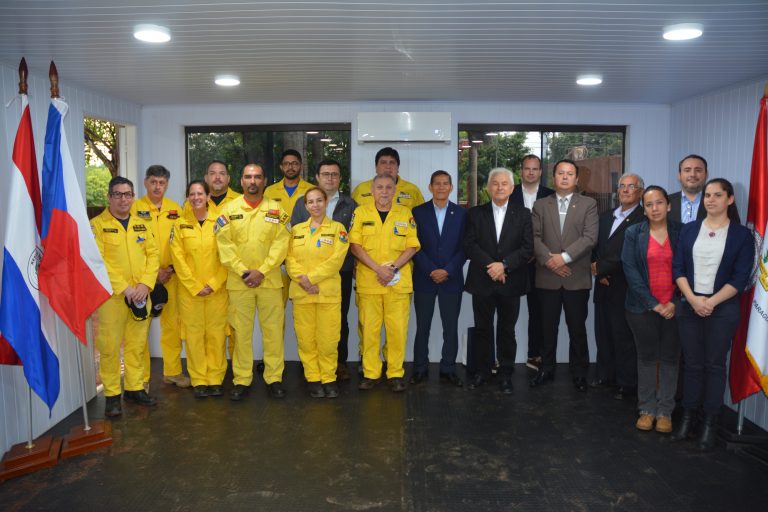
x: 412, y: 222
x: 221, y: 221
x: 343, y: 238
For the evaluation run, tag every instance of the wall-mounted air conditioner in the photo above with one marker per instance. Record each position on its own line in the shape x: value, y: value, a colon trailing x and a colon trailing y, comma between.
x: 404, y: 127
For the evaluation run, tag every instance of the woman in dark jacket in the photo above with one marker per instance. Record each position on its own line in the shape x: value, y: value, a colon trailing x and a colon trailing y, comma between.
x: 711, y: 267
x: 647, y: 259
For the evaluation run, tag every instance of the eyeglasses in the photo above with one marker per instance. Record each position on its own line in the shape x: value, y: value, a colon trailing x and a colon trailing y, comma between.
x: 330, y: 175
x: 631, y: 186
x: 293, y: 163
x: 118, y: 195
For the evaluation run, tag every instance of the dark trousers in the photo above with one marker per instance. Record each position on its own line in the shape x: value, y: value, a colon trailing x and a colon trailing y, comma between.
x: 346, y: 296
x: 658, y: 347
x: 575, y: 303
x: 534, y: 318
x: 506, y: 309
x: 616, y: 353
x: 706, y: 342
x: 450, y: 305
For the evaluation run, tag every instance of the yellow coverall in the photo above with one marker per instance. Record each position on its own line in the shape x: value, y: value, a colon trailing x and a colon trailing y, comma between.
x: 203, y: 319
x: 317, y: 317
x: 277, y: 192
x: 406, y: 194
x: 255, y: 238
x: 161, y: 221
x: 131, y: 257
x: 390, y: 305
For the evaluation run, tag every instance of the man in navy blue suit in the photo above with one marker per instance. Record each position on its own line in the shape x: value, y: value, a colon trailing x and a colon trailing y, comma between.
x: 526, y: 194
x: 438, y: 274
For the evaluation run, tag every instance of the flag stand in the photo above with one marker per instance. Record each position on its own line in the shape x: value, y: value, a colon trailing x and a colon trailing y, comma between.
x: 24, y: 458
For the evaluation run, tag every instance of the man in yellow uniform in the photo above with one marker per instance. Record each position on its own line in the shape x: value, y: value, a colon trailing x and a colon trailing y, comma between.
x: 388, y: 162
x: 217, y: 178
x: 160, y: 213
x: 253, y: 236
x: 131, y: 257
x: 383, y: 239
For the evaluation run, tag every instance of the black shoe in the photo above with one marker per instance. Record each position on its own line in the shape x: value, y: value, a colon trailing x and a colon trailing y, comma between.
x: 708, y: 435
x: 685, y: 427
x: 113, y: 407
x: 418, y: 378
x: 602, y: 383
x: 452, y: 378
x: 139, y: 397
x: 331, y: 390
x: 580, y: 383
x: 397, y: 384
x: 200, y: 391
x: 276, y: 390
x: 366, y: 384
x: 623, y: 392
x: 215, y: 391
x: 315, y: 389
x: 260, y: 366
x: 540, y: 378
x: 477, y: 381
x: 506, y: 385
x: 238, y: 392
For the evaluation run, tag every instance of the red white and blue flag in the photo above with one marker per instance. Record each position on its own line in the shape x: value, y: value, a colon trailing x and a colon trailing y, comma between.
x: 72, y: 272
x: 20, y: 313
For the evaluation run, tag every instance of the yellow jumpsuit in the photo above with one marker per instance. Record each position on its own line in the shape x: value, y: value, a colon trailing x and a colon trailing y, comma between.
x: 203, y: 319
x: 406, y: 194
x: 317, y: 317
x: 277, y: 192
x: 390, y: 305
x: 213, y: 208
x: 131, y: 257
x: 255, y: 238
x: 161, y: 221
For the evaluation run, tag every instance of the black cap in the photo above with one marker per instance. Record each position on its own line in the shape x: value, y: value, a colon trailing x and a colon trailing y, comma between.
x: 159, y: 297
x: 139, y: 313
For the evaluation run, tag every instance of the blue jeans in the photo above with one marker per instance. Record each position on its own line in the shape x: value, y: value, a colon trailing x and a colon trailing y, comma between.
x: 424, y: 304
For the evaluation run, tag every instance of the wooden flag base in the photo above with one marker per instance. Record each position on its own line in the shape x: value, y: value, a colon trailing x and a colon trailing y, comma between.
x: 20, y: 460
x: 78, y: 441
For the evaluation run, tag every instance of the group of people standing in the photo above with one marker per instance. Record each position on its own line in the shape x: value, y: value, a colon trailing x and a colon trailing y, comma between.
x: 666, y: 268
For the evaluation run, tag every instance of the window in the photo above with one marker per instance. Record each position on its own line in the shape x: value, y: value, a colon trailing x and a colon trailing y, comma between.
x: 598, y: 151
x: 263, y: 144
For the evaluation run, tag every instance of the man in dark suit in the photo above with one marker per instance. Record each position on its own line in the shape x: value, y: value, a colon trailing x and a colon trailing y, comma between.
x: 687, y: 205
x: 616, y: 355
x: 438, y: 274
x: 565, y: 227
x: 340, y: 208
x: 498, y: 242
x: 526, y: 194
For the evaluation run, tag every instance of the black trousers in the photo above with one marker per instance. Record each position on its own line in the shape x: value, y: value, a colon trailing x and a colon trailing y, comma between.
x: 346, y: 296
x: 507, y: 309
x: 534, y: 323
x: 616, y: 351
x: 575, y: 303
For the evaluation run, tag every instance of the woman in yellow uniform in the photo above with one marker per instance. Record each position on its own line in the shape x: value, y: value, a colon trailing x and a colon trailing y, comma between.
x: 202, y: 294
x: 315, y: 254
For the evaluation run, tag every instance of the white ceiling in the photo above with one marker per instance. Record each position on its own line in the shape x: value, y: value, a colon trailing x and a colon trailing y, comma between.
x: 348, y: 50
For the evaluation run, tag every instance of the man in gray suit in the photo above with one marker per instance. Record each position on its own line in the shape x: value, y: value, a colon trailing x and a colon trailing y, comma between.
x: 340, y: 208
x: 565, y: 227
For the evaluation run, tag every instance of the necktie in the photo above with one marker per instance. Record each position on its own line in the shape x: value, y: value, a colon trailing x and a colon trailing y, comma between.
x: 563, y: 211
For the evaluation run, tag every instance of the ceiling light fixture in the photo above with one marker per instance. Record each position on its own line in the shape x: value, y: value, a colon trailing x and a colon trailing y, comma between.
x: 491, y: 134
x: 683, y: 31
x: 325, y: 140
x: 227, y: 80
x: 311, y: 133
x: 152, y: 33
x: 477, y: 142
x: 589, y: 80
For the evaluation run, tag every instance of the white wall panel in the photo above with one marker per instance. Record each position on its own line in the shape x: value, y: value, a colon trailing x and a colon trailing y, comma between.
x: 14, y: 408
x: 720, y: 126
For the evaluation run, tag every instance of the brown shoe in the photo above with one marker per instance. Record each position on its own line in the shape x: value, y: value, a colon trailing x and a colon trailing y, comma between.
x: 645, y: 422
x: 664, y: 424
x: 342, y: 372
x: 180, y: 380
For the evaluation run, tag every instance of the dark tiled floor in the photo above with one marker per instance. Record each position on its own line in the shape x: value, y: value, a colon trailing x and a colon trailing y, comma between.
x: 432, y: 448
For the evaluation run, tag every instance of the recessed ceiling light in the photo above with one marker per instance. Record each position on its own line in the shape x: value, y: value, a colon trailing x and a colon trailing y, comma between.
x: 227, y: 80
x: 152, y: 33
x: 589, y: 80
x: 311, y: 133
x: 683, y: 31
x: 491, y: 134
x: 325, y: 140
x: 477, y: 142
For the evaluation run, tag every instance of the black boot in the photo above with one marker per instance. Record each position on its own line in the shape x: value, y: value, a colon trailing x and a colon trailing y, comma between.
x: 708, y: 433
x: 685, y: 427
